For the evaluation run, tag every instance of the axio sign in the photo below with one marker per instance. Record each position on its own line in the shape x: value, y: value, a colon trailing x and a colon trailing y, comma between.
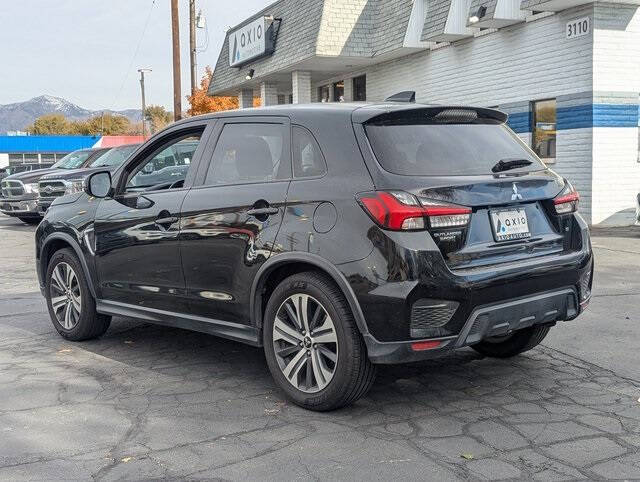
x: 249, y: 42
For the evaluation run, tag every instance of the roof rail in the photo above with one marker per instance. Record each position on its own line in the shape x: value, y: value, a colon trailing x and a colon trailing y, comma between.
x: 405, y: 96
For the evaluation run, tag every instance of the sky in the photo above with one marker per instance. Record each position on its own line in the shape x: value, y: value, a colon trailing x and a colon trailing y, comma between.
x: 89, y: 51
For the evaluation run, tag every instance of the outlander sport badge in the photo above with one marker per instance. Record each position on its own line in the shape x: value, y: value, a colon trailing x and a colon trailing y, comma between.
x: 516, y: 196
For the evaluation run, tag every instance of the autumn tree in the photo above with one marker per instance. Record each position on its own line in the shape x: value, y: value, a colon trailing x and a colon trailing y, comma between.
x: 50, y: 124
x: 158, y: 117
x: 201, y: 103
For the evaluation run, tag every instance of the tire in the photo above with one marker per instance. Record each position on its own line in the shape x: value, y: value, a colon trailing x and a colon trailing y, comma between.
x: 312, y: 387
x: 84, y: 323
x: 519, y: 342
x: 27, y: 220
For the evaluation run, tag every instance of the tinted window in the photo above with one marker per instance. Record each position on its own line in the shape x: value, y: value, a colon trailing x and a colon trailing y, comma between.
x: 447, y: 149
x: 249, y: 153
x: 73, y: 160
x: 114, y: 156
x: 307, y: 158
x: 168, y: 166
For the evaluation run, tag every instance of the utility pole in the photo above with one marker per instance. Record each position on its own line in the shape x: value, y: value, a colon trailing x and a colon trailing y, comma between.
x: 144, y: 106
x: 177, y: 88
x: 192, y: 43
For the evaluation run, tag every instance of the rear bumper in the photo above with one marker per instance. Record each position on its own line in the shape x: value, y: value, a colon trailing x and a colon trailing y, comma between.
x: 408, y: 277
x: 496, y: 319
x: 23, y: 208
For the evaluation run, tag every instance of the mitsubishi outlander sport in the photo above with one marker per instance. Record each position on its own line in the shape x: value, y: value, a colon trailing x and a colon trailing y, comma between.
x: 335, y: 236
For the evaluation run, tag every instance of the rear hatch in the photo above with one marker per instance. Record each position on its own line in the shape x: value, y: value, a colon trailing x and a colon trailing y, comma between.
x: 482, y: 194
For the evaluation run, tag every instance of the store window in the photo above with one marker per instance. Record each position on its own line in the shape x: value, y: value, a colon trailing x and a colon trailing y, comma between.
x: 360, y: 88
x: 48, y: 158
x: 324, y: 94
x: 544, y: 129
x: 338, y: 91
x: 16, y: 159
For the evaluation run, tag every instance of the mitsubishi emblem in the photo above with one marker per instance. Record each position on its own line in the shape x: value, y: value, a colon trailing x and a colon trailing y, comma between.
x: 516, y: 196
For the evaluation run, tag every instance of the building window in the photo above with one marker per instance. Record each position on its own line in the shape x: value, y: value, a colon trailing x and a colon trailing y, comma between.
x: 338, y: 91
x: 360, y: 88
x: 48, y: 158
x: 15, y: 159
x: 544, y: 129
x: 324, y: 94
x: 31, y: 157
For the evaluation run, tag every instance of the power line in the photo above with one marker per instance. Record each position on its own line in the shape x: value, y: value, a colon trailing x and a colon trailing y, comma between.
x: 135, y: 54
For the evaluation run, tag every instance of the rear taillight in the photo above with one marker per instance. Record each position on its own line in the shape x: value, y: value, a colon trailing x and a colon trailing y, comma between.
x: 567, y: 201
x: 401, y: 211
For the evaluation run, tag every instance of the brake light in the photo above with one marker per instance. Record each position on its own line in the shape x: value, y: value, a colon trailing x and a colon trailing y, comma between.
x: 567, y: 201
x: 401, y: 211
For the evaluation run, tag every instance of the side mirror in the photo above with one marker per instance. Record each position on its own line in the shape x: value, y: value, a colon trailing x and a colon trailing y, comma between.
x: 98, y: 184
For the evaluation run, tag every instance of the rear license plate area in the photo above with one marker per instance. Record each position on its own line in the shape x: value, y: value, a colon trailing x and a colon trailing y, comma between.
x: 509, y: 224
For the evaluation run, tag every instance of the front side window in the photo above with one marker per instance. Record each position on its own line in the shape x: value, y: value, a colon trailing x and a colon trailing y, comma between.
x: 544, y: 129
x: 307, y: 157
x: 167, y: 167
x: 248, y: 153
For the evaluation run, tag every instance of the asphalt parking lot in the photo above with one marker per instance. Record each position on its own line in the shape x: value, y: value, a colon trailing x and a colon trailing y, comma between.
x: 149, y: 402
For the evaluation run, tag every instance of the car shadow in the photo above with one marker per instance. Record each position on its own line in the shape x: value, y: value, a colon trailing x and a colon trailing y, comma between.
x: 195, y: 356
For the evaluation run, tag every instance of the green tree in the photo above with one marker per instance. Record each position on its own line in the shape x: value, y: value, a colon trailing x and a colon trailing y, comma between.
x: 50, y: 124
x: 107, y: 124
x: 157, y: 117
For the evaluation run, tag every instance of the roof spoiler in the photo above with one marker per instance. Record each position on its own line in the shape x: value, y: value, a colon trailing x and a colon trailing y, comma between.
x: 431, y: 114
x: 408, y: 96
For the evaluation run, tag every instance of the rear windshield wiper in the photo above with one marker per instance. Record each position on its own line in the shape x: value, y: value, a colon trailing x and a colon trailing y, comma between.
x: 506, y: 164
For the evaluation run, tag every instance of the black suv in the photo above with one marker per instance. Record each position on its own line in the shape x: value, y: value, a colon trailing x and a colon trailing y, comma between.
x: 336, y: 236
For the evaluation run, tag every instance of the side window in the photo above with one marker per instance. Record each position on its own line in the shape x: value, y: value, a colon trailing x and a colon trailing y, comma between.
x: 307, y: 157
x: 167, y: 166
x: 249, y: 153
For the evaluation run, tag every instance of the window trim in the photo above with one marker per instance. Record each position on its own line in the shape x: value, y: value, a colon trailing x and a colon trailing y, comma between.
x: 532, y: 110
x: 324, y: 159
x: 207, y: 159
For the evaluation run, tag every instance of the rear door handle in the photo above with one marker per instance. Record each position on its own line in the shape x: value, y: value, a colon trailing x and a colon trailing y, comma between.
x: 262, y: 211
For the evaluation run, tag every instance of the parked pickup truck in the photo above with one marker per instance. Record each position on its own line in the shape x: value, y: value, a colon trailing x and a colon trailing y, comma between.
x: 20, y: 191
x: 60, y: 183
x: 15, y: 169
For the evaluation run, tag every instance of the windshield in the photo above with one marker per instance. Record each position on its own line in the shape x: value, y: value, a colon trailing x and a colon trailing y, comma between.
x: 115, y: 156
x: 447, y: 149
x: 73, y: 160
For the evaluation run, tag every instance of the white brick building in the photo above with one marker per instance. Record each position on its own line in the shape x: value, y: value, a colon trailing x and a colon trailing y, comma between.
x: 566, y: 71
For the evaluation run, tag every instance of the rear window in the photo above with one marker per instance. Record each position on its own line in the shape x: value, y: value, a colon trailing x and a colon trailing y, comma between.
x: 447, y: 149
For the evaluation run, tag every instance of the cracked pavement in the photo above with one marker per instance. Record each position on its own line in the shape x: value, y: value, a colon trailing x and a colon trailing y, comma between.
x: 150, y: 402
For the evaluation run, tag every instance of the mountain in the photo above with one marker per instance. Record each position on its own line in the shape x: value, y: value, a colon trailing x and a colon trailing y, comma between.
x: 17, y: 116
